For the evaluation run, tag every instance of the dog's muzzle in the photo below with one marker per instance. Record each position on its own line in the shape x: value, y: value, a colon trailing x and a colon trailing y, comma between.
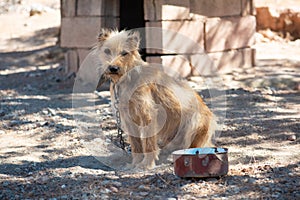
x: 113, y: 69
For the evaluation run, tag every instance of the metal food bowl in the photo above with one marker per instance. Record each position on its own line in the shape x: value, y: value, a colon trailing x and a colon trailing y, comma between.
x: 201, y: 162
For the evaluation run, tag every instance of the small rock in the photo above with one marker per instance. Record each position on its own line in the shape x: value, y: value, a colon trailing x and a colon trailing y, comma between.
x: 2, y: 113
x: 292, y: 138
x: 2, y: 132
x: 143, y: 187
x: 275, y: 195
x: 143, y: 193
x: 63, y: 186
x: 15, y: 122
x: 52, y: 111
x: 43, y: 123
x: 117, y: 184
x: 114, y: 189
x: 105, y: 191
x: 212, y: 180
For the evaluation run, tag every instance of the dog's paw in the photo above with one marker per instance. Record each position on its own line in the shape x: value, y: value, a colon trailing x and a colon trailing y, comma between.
x: 144, y: 166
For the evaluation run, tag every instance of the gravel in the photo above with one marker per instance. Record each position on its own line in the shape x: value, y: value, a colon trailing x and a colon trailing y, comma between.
x: 42, y: 155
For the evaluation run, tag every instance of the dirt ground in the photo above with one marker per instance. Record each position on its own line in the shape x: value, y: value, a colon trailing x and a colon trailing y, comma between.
x: 42, y: 151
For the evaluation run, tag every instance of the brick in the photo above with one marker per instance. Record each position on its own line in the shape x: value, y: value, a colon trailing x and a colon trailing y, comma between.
x: 176, y: 66
x: 71, y: 59
x: 222, y: 62
x: 79, y: 32
x: 89, y: 7
x: 111, y: 8
x: 175, y: 37
x: 98, y: 8
x: 202, y: 64
x: 215, y: 8
x: 173, y: 65
x: 68, y: 8
x: 229, y: 33
x: 154, y: 59
x: 156, y: 10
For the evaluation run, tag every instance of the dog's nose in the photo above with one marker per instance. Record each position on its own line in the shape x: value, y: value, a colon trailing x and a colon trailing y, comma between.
x: 113, y: 69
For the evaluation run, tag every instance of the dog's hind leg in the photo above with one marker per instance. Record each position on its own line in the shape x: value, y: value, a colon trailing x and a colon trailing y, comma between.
x: 204, y: 132
x: 206, y: 127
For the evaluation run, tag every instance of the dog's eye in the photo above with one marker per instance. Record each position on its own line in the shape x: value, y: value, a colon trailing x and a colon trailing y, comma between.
x: 124, y: 53
x: 107, y: 51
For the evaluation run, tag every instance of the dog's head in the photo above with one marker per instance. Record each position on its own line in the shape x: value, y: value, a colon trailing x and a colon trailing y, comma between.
x: 118, y: 52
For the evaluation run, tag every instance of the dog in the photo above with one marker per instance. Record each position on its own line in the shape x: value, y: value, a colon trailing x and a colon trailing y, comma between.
x: 159, y: 113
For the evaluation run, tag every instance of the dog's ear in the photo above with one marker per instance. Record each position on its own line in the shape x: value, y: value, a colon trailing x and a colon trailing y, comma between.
x: 133, y: 40
x: 103, y: 35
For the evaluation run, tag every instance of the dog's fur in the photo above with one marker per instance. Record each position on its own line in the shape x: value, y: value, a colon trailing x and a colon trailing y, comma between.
x: 159, y: 113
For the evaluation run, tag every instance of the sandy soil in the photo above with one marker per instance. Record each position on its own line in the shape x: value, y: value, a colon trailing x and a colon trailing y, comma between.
x: 42, y: 149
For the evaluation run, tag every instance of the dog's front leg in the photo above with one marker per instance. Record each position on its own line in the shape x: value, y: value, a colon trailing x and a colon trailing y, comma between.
x: 136, y: 151
x: 151, y: 152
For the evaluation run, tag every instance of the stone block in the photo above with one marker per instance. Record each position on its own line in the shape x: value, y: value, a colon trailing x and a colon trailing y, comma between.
x: 215, y: 8
x: 173, y: 65
x: 68, y: 8
x: 229, y: 33
x: 202, y: 64
x: 175, y: 37
x: 79, y: 31
x: 222, y: 62
x: 176, y: 66
x: 89, y: 7
x: 156, y: 10
x: 98, y: 8
x: 110, y: 8
x: 71, y: 61
x: 154, y: 59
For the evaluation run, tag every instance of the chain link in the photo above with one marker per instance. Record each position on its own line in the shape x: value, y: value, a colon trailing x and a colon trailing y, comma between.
x: 118, y: 118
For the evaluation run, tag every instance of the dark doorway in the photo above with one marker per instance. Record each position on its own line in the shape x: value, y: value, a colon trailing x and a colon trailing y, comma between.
x: 132, y: 16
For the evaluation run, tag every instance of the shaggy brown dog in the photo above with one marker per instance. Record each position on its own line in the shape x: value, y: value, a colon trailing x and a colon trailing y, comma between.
x: 159, y: 113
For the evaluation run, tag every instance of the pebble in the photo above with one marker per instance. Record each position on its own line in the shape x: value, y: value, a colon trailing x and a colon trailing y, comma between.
x: 114, y: 189
x: 143, y: 187
x: 143, y: 193
x: 43, y: 123
x: 212, y: 180
x: 2, y: 113
x: 105, y: 191
x: 2, y: 132
x: 15, y: 122
x: 292, y: 138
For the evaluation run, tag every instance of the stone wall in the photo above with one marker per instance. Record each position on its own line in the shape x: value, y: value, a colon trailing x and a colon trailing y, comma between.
x: 222, y: 29
x: 81, y: 21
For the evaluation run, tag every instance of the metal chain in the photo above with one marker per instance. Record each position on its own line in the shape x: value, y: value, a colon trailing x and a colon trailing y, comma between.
x: 118, y: 117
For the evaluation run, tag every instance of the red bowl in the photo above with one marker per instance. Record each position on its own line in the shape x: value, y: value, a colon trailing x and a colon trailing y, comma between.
x: 201, y: 162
